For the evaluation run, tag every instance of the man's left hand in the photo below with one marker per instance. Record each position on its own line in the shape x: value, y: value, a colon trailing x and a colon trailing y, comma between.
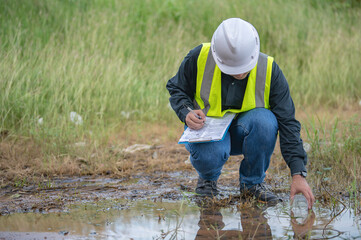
x: 300, y: 185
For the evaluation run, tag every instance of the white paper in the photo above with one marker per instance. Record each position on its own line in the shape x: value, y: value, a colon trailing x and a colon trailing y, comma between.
x: 213, y: 130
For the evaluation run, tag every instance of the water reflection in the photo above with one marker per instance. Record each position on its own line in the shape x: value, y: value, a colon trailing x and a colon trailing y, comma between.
x: 253, y: 225
x: 185, y: 220
x: 303, y: 229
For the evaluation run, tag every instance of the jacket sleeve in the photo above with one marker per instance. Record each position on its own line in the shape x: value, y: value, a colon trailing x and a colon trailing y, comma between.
x: 182, y: 86
x: 289, y: 128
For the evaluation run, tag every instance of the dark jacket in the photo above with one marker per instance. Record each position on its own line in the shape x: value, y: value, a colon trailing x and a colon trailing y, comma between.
x: 182, y: 88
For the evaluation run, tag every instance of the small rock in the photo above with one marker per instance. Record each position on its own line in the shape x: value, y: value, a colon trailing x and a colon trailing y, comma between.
x: 307, y: 146
x: 128, y: 114
x: 137, y: 147
x: 80, y: 144
x: 64, y: 232
x: 76, y: 118
x: 125, y: 114
x: 40, y: 121
x: 188, y: 161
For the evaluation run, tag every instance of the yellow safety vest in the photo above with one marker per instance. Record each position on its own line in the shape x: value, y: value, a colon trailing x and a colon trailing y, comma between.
x: 208, y: 88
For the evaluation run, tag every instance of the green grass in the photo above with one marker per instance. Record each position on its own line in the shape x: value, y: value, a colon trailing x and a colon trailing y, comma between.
x: 335, y: 156
x: 109, y: 61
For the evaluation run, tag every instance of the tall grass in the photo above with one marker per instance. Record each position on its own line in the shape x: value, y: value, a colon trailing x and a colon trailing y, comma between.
x: 335, y: 158
x: 109, y: 60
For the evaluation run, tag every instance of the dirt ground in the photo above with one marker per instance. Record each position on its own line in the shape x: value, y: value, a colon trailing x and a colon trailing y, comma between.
x: 156, y: 169
x: 162, y: 172
x: 57, y: 194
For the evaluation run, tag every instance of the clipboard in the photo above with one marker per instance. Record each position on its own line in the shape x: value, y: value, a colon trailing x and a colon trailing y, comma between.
x: 214, y: 129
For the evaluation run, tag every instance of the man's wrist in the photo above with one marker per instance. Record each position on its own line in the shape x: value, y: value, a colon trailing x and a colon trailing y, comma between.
x: 302, y: 173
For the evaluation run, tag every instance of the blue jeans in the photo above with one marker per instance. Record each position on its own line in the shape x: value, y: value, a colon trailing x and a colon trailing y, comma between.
x: 253, y: 134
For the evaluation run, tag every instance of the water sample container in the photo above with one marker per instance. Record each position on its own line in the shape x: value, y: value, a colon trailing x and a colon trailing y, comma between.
x: 299, y: 208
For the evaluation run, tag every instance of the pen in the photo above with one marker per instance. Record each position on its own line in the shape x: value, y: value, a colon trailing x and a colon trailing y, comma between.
x: 195, y: 114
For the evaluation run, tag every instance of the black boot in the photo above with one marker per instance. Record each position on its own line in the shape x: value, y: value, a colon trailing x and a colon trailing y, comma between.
x: 206, y: 188
x: 261, y: 192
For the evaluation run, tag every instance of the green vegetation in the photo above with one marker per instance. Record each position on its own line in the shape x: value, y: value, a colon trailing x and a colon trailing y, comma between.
x: 336, y: 157
x: 109, y: 61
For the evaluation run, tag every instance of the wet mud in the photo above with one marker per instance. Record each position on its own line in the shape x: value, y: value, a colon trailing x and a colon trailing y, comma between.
x: 162, y: 206
x: 57, y: 194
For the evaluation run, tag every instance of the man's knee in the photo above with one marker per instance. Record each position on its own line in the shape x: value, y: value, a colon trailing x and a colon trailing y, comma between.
x: 265, y: 122
x: 208, y: 153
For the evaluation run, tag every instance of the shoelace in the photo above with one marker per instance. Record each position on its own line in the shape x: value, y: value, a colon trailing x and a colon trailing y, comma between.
x: 261, y: 186
x: 212, y: 184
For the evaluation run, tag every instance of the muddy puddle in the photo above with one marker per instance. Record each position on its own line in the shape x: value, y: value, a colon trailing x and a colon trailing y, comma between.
x: 162, y: 207
x: 182, y: 219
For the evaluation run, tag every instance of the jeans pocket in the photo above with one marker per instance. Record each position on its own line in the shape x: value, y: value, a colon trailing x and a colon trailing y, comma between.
x: 194, y: 153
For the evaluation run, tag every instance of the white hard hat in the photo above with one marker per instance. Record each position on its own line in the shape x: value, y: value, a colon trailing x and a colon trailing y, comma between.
x: 235, y: 46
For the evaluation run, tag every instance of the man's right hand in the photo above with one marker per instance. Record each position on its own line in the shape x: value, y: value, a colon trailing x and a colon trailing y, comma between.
x: 193, y: 122
x: 300, y: 185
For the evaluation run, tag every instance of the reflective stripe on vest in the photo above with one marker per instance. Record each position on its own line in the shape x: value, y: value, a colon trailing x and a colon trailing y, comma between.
x: 208, y: 88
